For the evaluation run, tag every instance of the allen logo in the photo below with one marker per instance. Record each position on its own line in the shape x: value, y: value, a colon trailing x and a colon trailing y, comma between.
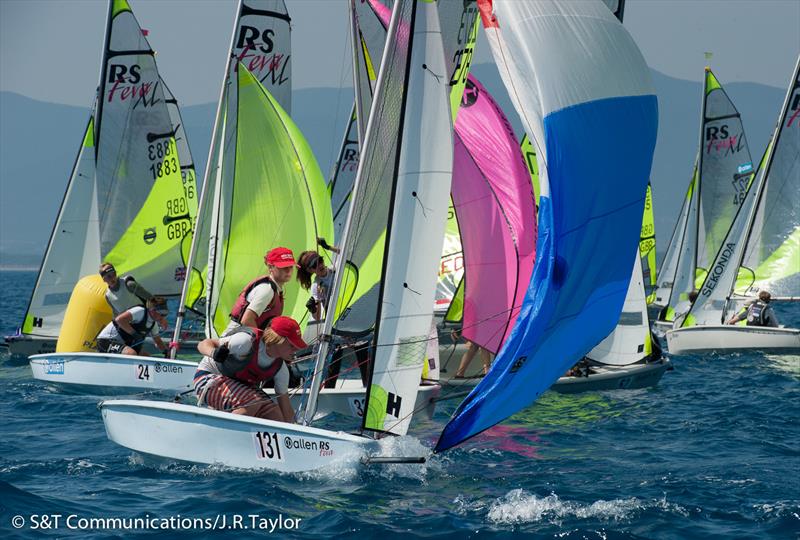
x: 38, y: 321
x: 149, y: 235
x: 393, y: 405
x: 518, y: 364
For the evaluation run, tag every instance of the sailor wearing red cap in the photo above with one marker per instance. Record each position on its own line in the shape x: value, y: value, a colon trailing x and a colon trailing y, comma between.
x: 233, y: 367
x: 262, y: 299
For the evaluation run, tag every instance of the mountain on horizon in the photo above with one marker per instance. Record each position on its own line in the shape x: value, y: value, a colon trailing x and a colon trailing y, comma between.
x: 39, y: 140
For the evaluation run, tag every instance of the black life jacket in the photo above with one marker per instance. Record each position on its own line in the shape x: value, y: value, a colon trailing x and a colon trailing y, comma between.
x: 140, y: 330
x: 755, y: 313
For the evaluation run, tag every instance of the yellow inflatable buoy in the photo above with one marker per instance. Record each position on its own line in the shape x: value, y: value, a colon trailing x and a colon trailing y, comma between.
x: 87, y: 313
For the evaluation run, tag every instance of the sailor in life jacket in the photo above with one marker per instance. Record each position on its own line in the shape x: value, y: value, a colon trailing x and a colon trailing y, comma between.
x: 124, y: 292
x: 233, y: 367
x: 127, y: 332
x: 310, y: 265
x: 261, y: 300
x: 758, y: 313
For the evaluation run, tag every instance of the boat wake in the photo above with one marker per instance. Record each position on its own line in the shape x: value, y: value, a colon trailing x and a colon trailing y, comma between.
x: 519, y: 506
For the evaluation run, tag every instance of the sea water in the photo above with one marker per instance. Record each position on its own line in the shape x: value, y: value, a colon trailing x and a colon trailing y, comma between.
x: 711, y: 452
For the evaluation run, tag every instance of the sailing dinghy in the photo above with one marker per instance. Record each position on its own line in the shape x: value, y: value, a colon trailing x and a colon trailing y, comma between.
x: 402, y: 180
x: 723, y: 171
x: 131, y: 201
x: 760, y: 252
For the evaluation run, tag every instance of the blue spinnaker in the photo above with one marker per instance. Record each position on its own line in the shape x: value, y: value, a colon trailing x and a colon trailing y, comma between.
x: 597, y: 119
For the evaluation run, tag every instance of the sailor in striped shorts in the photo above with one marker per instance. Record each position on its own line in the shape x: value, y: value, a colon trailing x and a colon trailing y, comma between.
x: 233, y: 367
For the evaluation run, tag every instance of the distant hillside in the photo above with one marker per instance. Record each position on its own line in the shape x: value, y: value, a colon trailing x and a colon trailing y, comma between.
x: 38, y: 142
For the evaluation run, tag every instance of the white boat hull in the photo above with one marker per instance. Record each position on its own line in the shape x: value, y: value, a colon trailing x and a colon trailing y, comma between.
x: 193, y: 434
x: 729, y: 338
x: 349, y: 396
x: 26, y: 346
x: 614, y: 378
x: 661, y: 327
x: 113, y: 372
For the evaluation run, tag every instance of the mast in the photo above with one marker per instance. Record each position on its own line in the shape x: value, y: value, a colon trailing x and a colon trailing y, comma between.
x: 102, y: 85
x: 354, y: 41
x: 698, y: 187
x: 203, y: 195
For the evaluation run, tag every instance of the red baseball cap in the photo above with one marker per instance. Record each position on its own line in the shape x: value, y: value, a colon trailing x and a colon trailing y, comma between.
x: 280, y: 257
x: 288, y: 328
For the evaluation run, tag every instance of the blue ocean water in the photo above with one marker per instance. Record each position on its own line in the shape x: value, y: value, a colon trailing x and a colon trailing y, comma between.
x: 711, y: 452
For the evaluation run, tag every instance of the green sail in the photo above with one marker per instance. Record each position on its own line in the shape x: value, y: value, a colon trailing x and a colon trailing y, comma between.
x: 278, y: 197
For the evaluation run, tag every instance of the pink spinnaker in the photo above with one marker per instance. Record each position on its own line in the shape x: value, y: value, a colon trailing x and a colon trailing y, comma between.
x: 494, y: 203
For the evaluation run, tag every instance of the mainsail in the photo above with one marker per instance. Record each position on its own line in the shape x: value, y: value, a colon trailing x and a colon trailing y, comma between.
x: 724, y: 171
x: 369, y: 20
x: 262, y: 42
x: 566, y: 97
x: 647, y: 241
x: 762, y: 247
x: 397, y: 218
x: 131, y: 196
x: 669, y: 265
x: 263, y: 187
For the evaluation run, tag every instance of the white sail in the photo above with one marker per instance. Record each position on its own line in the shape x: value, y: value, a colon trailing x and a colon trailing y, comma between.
x: 630, y: 341
x: 762, y: 247
x: 397, y: 218
x: 669, y: 266
x: 772, y: 255
x: 74, y: 247
x: 131, y: 196
x: 262, y: 42
x: 415, y: 231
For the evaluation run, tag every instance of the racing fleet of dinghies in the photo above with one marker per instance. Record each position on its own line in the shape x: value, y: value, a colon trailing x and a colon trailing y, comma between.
x: 408, y: 191
x: 429, y: 173
x: 131, y: 199
x: 761, y: 251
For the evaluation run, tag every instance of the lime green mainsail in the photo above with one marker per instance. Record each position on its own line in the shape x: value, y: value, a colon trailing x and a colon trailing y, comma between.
x: 275, y: 196
x: 160, y: 225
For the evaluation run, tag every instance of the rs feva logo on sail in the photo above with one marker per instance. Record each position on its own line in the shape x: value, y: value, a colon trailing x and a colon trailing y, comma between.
x: 126, y: 83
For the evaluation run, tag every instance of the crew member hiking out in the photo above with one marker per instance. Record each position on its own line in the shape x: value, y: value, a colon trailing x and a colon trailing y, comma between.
x: 127, y: 332
x: 234, y: 367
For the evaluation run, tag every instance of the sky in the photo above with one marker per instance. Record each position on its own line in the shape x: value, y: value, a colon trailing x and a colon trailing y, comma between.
x: 50, y: 49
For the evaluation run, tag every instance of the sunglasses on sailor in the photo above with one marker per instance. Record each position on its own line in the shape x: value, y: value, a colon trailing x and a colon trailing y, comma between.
x: 313, y: 264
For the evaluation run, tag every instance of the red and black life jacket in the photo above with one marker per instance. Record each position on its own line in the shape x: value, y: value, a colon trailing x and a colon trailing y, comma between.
x: 247, y: 369
x: 274, y: 309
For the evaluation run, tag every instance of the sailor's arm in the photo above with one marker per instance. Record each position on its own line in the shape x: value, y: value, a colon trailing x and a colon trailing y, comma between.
x: 281, y: 380
x: 133, y: 286
x: 124, y: 321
